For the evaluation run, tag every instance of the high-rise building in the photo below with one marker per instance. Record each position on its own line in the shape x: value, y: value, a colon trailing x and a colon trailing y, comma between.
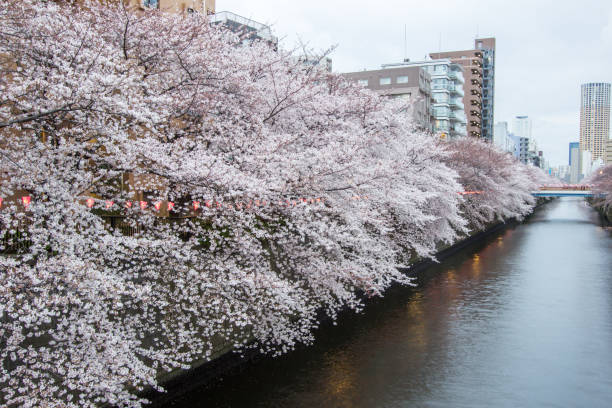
x: 500, y: 134
x: 447, y: 94
x: 487, y: 46
x: 503, y: 139
x: 574, y: 162
x: 594, y: 118
x: 608, y: 159
x: 471, y: 61
x: 586, y: 163
x: 411, y: 83
x: 572, y: 145
x: 479, y: 72
x: 522, y: 127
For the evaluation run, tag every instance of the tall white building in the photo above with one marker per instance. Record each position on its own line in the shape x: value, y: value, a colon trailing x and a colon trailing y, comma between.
x: 521, y: 126
x: 503, y: 139
x: 574, y: 162
x: 500, y: 134
x: 595, y: 118
x: 586, y: 161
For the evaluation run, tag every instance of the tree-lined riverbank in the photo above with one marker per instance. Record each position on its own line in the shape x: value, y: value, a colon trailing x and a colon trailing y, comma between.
x: 519, y: 319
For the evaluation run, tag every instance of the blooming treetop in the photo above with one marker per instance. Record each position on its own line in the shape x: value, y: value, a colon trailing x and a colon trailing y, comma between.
x: 107, y: 103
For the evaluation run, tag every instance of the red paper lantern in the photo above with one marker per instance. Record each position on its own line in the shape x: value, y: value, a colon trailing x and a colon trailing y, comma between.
x: 109, y: 204
x: 158, y: 205
x: 128, y: 204
x: 196, y: 205
x: 143, y: 205
x: 0, y: 201
x: 170, y: 205
x: 26, y: 200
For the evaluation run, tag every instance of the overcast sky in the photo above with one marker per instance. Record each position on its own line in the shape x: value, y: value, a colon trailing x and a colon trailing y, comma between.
x: 545, y: 49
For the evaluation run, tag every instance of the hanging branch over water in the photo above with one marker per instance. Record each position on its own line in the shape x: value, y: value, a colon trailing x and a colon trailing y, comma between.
x: 103, y: 102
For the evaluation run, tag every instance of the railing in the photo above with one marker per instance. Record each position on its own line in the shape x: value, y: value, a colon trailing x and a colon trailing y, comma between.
x: 262, y: 30
x: 457, y: 103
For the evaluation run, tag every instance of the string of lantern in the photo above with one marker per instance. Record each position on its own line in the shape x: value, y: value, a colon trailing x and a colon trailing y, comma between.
x: 210, y: 204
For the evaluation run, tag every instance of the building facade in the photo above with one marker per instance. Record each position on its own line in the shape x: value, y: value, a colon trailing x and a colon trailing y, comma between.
x: 410, y: 83
x: 522, y: 128
x: 178, y: 6
x: 595, y: 118
x: 520, y: 148
x: 447, y: 94
x: 248, y: 29
x: 608, y: 159
x: 487, y: 46
x: 479, y: 72
x: 471, y: 61
x: 574, y: 162
x: 503, y: 139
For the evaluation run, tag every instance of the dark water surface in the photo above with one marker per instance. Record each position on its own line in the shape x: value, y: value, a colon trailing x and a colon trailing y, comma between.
x: 521, y: 320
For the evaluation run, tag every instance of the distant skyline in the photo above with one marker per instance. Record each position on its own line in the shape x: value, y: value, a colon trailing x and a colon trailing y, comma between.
x: 545, y: 50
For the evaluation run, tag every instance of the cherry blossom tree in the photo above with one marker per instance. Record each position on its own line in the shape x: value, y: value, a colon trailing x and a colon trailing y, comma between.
x: 190, y: 191
x: 498, y: 187
x: 601, y: 180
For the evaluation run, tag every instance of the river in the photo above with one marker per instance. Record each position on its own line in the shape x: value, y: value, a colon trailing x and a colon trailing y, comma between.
x: 521, y: 319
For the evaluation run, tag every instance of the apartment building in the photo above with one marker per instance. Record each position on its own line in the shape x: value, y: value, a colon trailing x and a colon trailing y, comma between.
x: 595, y: 118
x: 471, y: 61
x: 479, y: 72
x: 487, y: 46
x: 447, y: 94
x: 411, y: 83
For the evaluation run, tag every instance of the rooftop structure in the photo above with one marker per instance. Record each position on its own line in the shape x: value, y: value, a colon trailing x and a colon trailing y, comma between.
x: 250, y: 29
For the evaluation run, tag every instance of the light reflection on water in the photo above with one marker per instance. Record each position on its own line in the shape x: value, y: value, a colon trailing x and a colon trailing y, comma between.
x: 524, y: 319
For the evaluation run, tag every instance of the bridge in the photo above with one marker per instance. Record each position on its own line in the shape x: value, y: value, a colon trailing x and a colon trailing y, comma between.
x: 566, y: 190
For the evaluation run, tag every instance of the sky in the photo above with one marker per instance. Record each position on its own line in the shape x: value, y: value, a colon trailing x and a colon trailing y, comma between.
x: 545, y: 49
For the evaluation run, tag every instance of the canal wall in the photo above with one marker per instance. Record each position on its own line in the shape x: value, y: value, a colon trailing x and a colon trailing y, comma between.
x: 605, y: 215
x: 226, y: 361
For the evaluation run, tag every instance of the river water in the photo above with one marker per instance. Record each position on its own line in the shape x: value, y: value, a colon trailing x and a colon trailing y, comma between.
x: 523, y: 319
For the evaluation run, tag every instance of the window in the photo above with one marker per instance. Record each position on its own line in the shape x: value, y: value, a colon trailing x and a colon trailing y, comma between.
x: 363, y: 82
x: 385, y: 81
x: 441, y: 68
x: 441, y: 97
x: 402, y: 79
x: 150, y: 3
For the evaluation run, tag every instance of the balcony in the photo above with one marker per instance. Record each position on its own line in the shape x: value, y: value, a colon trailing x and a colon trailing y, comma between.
x: 456, y: 76
x: 452, y: 88
x: 457, y: 104
x: 458, y: 116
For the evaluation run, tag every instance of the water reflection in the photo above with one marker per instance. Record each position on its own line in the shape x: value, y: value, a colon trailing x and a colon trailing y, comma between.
x: 523, y: 319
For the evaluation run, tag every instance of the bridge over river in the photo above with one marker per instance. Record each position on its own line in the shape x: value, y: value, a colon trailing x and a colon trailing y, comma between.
x: 564, y: 191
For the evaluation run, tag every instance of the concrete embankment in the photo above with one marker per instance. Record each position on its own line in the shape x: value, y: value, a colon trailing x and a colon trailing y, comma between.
x: 226, y: 362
